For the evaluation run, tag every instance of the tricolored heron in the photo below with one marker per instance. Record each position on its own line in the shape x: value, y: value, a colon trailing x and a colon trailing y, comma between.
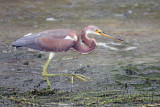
x: 61, y: 40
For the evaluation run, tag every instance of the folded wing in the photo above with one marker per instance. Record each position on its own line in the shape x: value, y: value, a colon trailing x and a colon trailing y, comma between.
x: 53, y: 40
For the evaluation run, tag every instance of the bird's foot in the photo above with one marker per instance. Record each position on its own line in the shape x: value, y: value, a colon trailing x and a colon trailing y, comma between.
x: 79, y: 76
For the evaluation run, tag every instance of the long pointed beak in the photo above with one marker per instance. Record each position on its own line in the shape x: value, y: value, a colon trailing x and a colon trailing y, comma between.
x: 113, y: 37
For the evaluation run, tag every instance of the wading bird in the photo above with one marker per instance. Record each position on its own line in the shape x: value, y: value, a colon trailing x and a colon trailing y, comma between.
x: 61, y: 40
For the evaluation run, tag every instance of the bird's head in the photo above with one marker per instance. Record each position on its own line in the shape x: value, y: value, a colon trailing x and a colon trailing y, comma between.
x: 91, y: 29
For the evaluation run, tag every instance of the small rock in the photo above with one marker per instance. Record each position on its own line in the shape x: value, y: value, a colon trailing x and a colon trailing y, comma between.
x: 51, y: 19
x: 26, y: 63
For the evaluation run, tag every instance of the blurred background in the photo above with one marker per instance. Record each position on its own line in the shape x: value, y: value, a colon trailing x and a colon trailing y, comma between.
x: 121, y: 72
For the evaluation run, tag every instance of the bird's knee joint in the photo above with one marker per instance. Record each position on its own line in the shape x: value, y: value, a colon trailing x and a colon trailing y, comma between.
x: 44, y: 75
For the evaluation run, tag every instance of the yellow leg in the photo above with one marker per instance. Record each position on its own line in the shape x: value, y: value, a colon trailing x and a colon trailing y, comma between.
x: 72, y: 79
x: 46, y: 75
x: 45, y: 72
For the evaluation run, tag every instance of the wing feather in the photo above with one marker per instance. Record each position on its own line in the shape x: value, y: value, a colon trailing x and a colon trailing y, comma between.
x: 56, y: 45
x: 51, y: 40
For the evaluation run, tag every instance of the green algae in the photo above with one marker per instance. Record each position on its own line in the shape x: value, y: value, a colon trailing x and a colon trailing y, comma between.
x: 89, y: 98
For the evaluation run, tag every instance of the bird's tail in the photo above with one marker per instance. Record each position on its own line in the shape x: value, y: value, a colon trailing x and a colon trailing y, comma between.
x: 24, y: 41
x: 18, y: 43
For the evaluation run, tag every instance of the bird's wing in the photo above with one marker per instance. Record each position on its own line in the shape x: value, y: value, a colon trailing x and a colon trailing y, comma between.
x: 55, y: 40
x: 53, y: 44
x: 52, y: 40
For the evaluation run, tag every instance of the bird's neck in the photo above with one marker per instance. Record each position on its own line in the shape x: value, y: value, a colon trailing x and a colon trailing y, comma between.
x: 81, y: 48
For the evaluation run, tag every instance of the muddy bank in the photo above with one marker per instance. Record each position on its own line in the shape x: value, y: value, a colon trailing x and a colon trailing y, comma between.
x: 133, y: 85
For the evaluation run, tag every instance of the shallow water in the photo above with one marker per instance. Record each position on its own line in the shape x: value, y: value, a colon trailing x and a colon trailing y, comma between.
x: 137, y: 22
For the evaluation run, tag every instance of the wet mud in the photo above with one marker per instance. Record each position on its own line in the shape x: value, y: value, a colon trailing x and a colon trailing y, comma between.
x: 122, y: 73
